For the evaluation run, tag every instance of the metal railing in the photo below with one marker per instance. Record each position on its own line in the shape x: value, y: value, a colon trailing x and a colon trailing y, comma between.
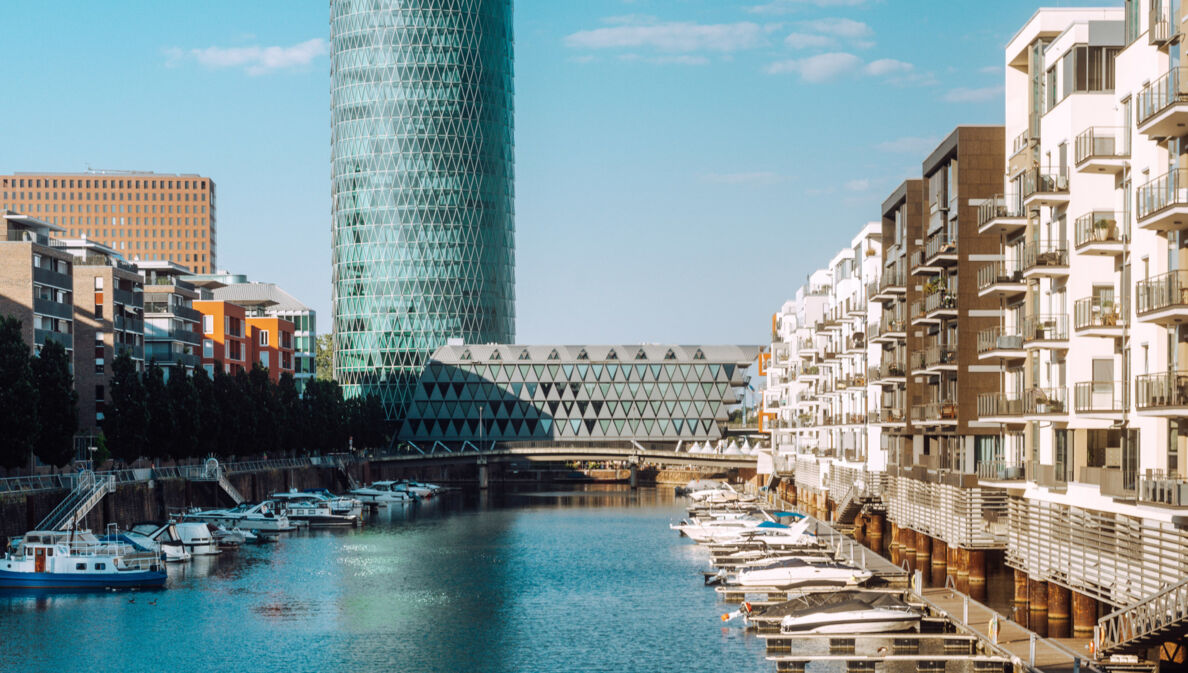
x: 937, y: 356
x: 1102, y: 142
x: 1035, y: 181
x: 1160, y: 94
x: 53, y: 308
x: 1093, y: 312
x: 940, y: 300
x: 887, y: 415
x: 1000, y: 338
x: 1161, y: 26
x: 44, y: 276
x: 1101, y: 397
x: 1044, y: 401
x: 1007, y: 271
x: 892, y: 321
x: 1166, y: 191
x: 89, y: 489
x: 969, y: 518
x: 999, y: 206
x: 1167, y: 290
x: 1044, y: 254
x: 41, y: 336
x: 1046, y: 327
x: 891, y: 278
x: 940, y: 411
x: 1100, y: 226
x: 183, y: 312
x: 1001, y: 470
x: 938, y: 244
x: 1161, y: 391
x: 1161, y: 616
x: 1000, y: 404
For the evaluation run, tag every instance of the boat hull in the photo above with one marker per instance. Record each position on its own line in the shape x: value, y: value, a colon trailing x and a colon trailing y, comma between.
x: 123, y: 580
x: 854, y: 623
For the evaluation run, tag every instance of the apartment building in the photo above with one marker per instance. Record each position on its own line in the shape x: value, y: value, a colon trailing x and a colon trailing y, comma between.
x: 108, y: 320
x: 140, y: 214
x: 225, y: 336
x: 171, y: 324
x: 270, y: 340
x: 36, y: 280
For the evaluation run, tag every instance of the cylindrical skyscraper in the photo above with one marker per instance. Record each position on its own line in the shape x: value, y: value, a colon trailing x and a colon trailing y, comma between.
x: 422, y: 172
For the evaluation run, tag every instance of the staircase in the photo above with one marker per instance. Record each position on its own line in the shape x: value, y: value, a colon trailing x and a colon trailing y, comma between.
x: 212, y: 471
x: 849, y: 506
x: 347, y: 473
x: 1159, y: 617
x: 86, y: 494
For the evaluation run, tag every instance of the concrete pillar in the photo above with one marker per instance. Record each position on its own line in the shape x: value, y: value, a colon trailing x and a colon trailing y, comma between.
x: 483, y: 475
x: 962, y: 570
x: 940, y: 562
x: 634, y: 478
x: 875, y: 533
x: 951, y: 565
x: 1037, y: 597
x: 893, y: 548
x: 977, y: 574
x: 792, y: 496
x: 860, y: 530
x: 1021, y: 601
x: 924, y: 555
x: 909, y: 548
x: 1059, y: 599
x: 1084, y: 615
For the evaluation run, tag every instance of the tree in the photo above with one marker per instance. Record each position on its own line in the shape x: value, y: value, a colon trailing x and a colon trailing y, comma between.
x: 324, y: 413
x: 230, y: 411
x: 368, y: 422
x: 126, y: 418
x: 290, y: 415
x: 324, y: 357
x: 161, y: 427
x: 264, y: 408
x: 183, y: 396
x: 245, y: 437
x: 18, y: 396
x: 57, y: 405
x: 208, y: 411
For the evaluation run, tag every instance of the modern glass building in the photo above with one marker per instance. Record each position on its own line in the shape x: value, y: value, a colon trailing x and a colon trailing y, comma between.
x: 652, y: 393
x: 422, y: 185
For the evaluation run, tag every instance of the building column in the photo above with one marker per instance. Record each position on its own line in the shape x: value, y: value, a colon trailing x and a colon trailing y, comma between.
x: 940, y: 562
x: 909, y: 547
x: 791, y: 496
x: 962, y: 570
x: 977, y: 574
x: 952, y: 563
x: 860, y: 529
x: 875, y: 533
x: 893, y: 548
x: 1021, y: 601
x: 1037, y: 598
x: 924, y: 555
x: 1084, y: 615
x: 1058, y: 605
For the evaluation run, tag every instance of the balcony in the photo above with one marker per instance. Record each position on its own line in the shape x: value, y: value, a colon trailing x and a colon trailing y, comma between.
x: 891, y: 285
x: 892, y: 326
x: 41, y: 336
x: 1098, y: 233
x: 811, y: 373
x: 856, y: 344
x: 172, y: 358
x: 1001, y: 279
x: 1103, y: 149
x: 1164, y: 394
x: 1001, y: 214
x: 1161, y: 107
x: 1001, y: 470
x: 1159, y: 489
x: 162, y: 308
x: 1162, y: 203
x: 917, y: 266
x: 1163, y: 299
x: 53, y: 309
x: 1113, y: 482
x: 1045, y: 259
x: 1001, y: 343
x: 939, y: 413
x: 180, y: 335
x: 1000, y: 408
x: 888, y: 416
x: 1045, y: 402
x: 888, y: 373
x: 1046, y: 331
x: 1161, y: 26
x: 128, y: 298
x: 941, y: 358
x: 941, y: 303
x: 61, y: 281
x: 1101, y: 399
x: 128, y: 324
x: 1098, y: 317
x: 940, y: 249
x: 1044, y: 189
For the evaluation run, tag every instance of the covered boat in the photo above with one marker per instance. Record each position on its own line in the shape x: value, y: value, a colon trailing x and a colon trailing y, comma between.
x: 77, y: 560
x: 849, y: 612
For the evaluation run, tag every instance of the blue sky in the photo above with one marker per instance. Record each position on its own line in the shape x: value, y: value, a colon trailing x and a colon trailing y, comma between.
x: 681, y: 164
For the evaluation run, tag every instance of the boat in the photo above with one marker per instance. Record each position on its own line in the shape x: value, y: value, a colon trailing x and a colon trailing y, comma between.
x: 55, y: 559
x: 317, y: 509
x: 798, y: 572
x: 169, y: 550
x: 196, y: 537
x: 850, y: 612
x: 339, y: 504
x: 227, y: 538
x: 268, y: 515
x: 383, y: 493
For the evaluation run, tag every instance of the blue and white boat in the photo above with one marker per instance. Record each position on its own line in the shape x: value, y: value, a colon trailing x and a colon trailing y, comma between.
x: 55, y: 559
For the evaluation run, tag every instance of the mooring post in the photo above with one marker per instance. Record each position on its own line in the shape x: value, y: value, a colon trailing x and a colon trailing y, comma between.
x: 483, y: 476
x: 634, y: 479
x: 1031, y: 650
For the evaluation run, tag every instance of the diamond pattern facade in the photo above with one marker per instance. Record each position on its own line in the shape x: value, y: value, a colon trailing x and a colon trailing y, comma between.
x: 575, y: 393
x: 422, y: 185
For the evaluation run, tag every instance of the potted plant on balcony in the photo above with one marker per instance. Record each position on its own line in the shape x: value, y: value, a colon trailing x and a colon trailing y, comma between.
x: 1103, y: 228
x: 1109, y: 317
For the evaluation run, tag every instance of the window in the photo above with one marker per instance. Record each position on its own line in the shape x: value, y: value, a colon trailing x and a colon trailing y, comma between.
x: 98, y: 282
x: 264, y: 359
x: 263, y: 337
x: 80, y: 566
x: 208, y: 348
x: 100, y: 566
x: 208, y: 324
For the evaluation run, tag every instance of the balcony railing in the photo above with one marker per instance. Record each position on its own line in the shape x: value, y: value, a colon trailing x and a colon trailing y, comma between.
x: 1009, y: 271
x: 1163, y: 390
x: 45, y: 276
x: 1000, y: 338
x: 1021, y: 142
x: 999, y: 206
x: 1166, y: 191
x: 1036, y: 181
x: 1160, y: 94
x: 183, y: 312
x: 1001, y: 470
x: 1161, y: 26
x: 887, y: 370
x: 937, y: 356
x: 1041, y: 401
x: 1167, y: 290
x: 917, y: 309
x: 1092, y: 312
x: 1046, y: 327
x: 892, y: 321
x: 1100, y: 397
x: 1102, y: 142
x: 940, y: 300
x: 1045, y: 254
x: 1000, y: 404
x: 41, y: 336
x: 1100, y: 226
x: 891, y: 278
x: 940, y: 411
x: 938, y: 244
x: 887, y: 415
x: 53, y: 308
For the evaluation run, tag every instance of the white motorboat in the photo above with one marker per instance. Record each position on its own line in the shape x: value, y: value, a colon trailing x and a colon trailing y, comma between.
x: 268, y: 516
x: 339, y: 504
x: 417, y: 487
x: 165, y: 546
x: 196, y: 537
x: 851, y: 612
x: 383, y: 493
x: 55, y: 559
x: 798, y: 572
x: 317, y: 509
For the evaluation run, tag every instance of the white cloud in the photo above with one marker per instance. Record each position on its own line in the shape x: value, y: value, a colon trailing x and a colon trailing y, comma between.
x: 907, y: 145
x: 666, y: 59
x: 817, y: 68
x: 673, y: 37
x: 860, y: 185
x: 847, y: 28
x: 789, y: 6
x: 965, y: 95
x: 888, y: 66
x: 807, y: 41
x: 991, y: 70
x: 254, y: 60
x: 752, y: 178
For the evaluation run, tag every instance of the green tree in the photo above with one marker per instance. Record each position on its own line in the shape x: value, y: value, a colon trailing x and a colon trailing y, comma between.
x: 265, y: 410
x: 183, y: 397
x: 290, y: 416
x: 369, y: 425
x: 325, y: 416
x: 126, y: 418
x: 161, y: 427
x: 230, y: 411
x: 324, y: 357
x: 57, y: 405
x: 208, y: 410
x: 18, y: 396
x: 245, y: 437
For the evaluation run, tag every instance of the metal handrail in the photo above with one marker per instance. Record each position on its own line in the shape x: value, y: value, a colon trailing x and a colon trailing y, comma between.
x: 1154, y: 615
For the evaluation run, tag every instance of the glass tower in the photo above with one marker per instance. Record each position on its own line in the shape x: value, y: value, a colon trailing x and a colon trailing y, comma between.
x: 421, y: 156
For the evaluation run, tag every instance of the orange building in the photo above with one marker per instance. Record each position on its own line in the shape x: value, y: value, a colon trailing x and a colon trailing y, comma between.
x: 272, y: 344
x: 224, y: 336
x: 141, y: 215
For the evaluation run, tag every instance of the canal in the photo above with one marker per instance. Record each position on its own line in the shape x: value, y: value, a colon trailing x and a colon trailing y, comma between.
x: 573, y: 580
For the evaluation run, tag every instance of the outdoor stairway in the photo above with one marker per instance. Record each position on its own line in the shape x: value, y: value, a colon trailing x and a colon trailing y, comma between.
x: 86, y: 494
x: 347, y: 473
x: 1159, y: 617
x: 849, y: 506
x: 212, y: 471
